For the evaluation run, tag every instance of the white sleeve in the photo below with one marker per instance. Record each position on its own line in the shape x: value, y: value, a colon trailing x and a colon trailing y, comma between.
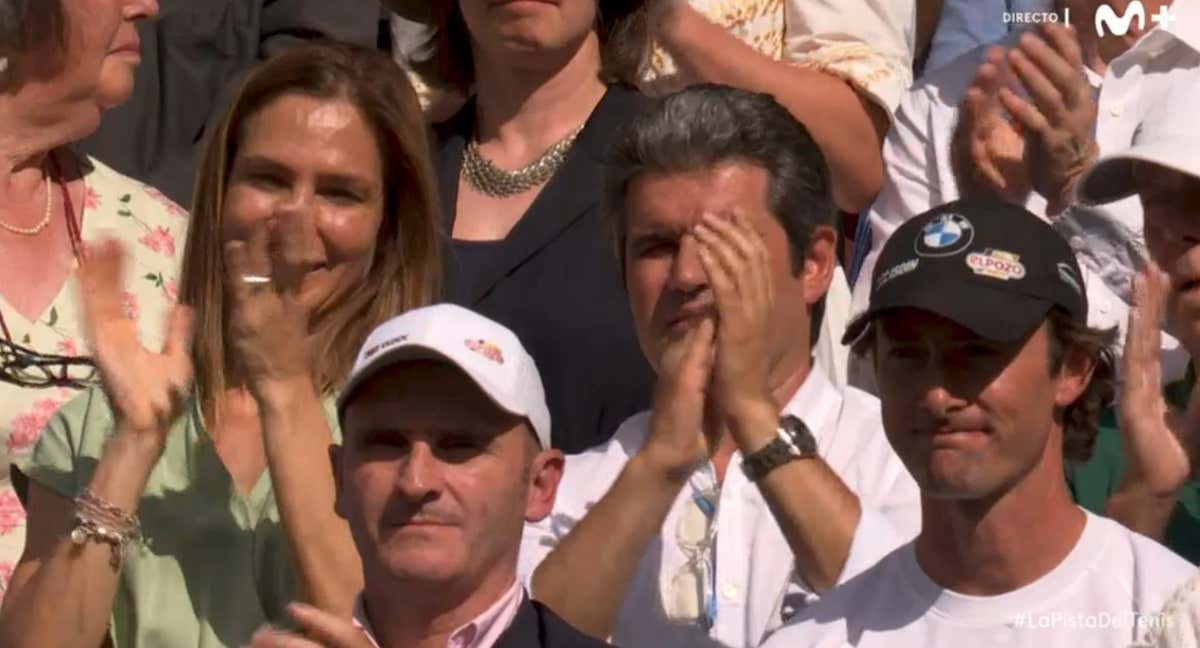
x: 911, y: 183
x: 867, y: 43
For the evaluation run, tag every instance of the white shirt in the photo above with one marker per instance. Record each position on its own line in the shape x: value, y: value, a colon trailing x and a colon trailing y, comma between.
x: 481, y: 632
x: 1095, y: 597
x: 1108, y: 239
x: 756, y: 588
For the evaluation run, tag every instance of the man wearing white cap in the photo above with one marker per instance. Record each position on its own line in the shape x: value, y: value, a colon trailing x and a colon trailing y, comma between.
x: 446, y: 455
x: 1143, y: 470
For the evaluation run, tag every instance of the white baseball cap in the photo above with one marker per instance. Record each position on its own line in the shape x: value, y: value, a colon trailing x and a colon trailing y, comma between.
x: 487, y: 352
x: 1169, y: 136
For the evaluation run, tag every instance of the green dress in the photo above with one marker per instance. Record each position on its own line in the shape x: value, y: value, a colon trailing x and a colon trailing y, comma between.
x: 1093, y: 482
x: 214, y: 566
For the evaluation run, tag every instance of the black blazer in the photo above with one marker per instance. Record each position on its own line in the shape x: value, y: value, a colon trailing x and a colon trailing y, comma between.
x: 535, y: 625
x: 556, y: 282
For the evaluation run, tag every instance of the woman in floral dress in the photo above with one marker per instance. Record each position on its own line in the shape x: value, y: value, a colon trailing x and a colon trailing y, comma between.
x: 62, y: 64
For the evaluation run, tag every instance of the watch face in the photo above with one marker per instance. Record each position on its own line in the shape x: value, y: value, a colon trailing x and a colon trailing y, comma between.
x: 801, y: 436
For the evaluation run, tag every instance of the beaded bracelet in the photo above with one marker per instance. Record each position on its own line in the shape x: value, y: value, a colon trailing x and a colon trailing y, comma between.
x: 100, y: 521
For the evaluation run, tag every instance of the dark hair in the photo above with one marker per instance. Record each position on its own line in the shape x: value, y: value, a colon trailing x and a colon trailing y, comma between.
x: 707, y: 124
x: 624, y: 42
x: 406, y: 267
x: 1081, y: 418
x: 28, y: 24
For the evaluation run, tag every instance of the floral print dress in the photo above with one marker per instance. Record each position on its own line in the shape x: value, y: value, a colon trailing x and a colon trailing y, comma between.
x: 152, y: 229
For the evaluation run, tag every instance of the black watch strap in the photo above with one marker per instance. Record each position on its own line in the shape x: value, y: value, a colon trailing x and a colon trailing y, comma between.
x: 792, y: 441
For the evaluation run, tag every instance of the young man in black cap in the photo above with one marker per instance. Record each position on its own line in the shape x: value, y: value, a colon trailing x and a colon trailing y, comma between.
x: 989, y: 376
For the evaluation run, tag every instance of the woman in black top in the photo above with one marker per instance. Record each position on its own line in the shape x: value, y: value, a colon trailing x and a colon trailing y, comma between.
x: 547, y: 92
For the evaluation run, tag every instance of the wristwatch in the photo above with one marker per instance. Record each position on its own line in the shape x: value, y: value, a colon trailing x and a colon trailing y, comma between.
x: 793, y: 440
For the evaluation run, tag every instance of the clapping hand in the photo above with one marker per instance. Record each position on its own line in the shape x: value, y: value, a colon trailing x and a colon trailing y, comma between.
x: 988, y: 151
x: 268, y: 324
x: 1159, y: 444
x: 1060, y: 120
x: 1011, y: 145
x: 147, y: 390
x: 321, y: 629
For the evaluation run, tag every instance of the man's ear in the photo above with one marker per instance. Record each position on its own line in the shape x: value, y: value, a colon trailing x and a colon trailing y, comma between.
x: 335, y: 462
x: 1074, y: 376
x: 545, y: 473
x: 819, y: 262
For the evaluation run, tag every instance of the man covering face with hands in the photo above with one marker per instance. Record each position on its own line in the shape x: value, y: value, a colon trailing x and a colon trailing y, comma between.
x: 752, y: 484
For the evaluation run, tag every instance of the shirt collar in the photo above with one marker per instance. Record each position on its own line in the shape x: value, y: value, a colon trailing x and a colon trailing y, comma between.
x: 480, y: 632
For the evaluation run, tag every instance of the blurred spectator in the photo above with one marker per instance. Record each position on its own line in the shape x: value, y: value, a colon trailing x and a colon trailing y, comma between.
x: 193, y: 58
x: 1143, y: 470
x: 968, y: 24
x: 520, y: 170
x: 840, y: 67
x: 65, y: 63
x: 447, y: 452
x: 989, y: 378
x: 315, y: 221
x: 683, y: 530
x: 1077, y: 114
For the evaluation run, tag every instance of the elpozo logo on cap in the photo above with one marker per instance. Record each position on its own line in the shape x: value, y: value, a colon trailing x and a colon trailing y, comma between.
x: 945, y: 235
x: 996, y: 264
x: 486, y: 349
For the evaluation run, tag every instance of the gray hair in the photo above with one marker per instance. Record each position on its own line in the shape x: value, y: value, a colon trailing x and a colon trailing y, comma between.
x: 29, y: 24
x: 706, y: 125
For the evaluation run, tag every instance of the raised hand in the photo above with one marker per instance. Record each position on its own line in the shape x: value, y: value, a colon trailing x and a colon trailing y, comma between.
x: 147, y: 390
x: 987, y: 151
x: 736, y: 259
x: 1060, y: 121
x: 323, y: 630
x: 1158, y: 444
x: 268, y: 324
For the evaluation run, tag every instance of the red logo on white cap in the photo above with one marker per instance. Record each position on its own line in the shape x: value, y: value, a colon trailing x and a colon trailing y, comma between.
x: 487, y: 350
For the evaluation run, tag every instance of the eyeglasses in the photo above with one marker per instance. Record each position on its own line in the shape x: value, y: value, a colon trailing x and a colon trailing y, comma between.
x: 25, y: 367
x: 692, y: 597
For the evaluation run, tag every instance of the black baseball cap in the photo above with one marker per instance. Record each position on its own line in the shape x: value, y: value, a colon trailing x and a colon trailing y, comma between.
x: 986, y: 264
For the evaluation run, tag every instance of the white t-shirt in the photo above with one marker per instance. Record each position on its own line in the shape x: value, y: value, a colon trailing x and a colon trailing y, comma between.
x: 755, y: 588
x: 1106, y: 592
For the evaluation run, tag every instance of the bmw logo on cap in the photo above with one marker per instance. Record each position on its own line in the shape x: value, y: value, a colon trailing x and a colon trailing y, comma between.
x: 945, y: 235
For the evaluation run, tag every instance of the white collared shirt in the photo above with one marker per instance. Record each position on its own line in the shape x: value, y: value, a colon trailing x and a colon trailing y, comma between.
x: 1108, y: 240
x: 756, y: 590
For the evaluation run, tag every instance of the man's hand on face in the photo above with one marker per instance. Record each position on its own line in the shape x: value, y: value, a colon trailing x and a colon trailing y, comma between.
x: 1059, y: 120
x: 737, y: 261
x: 1158, y: 444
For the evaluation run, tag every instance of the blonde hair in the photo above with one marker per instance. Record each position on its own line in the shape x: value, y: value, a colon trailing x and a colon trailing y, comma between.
x: 405, y: 270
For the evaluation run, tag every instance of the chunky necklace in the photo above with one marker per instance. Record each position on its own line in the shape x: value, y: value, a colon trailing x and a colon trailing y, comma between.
x: 487, y: 178
x: 36, y: 229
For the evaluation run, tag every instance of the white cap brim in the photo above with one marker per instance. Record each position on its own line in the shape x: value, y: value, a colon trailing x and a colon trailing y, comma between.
x: 411, y: 352
x: 1111, y: 178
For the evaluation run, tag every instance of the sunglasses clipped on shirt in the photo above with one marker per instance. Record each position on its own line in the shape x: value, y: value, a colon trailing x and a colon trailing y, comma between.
x: 25, y: 367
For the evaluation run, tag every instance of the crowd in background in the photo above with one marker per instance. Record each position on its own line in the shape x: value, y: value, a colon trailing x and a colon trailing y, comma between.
x: 475, y: 323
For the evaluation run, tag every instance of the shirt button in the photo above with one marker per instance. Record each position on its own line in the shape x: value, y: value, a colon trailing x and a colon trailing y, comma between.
x: 1116, y: 110
x: 730, y: 591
